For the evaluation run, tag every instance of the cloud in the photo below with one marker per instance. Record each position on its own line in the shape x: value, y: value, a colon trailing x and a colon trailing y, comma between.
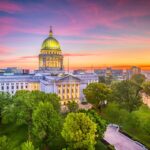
x: 9, y: 7
x: 85, y: 15
x: 110, y: 40
x: 29, y: 62
x: 6, y: 50
x: 7, y: 25
x: 80, y: 54
x: 27, y: 57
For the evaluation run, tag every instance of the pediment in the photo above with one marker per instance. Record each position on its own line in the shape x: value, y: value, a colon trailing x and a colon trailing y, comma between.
x: 69, y: 78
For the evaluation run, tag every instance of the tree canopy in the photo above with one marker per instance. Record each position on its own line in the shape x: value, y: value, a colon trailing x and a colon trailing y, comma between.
x: 24, y: 103
x: 72, y: 106
x: 47, y: 124
x: 101, y: 123
x: 146, y: 87
x: 79, y: 131
x: 4, y: 145
x: 27, y: 146
x: 96, y: 93
x: 138, y: 78
x: 5, y: 100
x: 127, y: 94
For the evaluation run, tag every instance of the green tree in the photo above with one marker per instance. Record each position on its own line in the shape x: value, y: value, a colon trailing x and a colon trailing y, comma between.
x: 55, y: 101
x: 97, y: 93
x: 5, y: 100
x: 138, y: 78
x: 47, y: 124
x: 146, y: 87
x: 72, y: 106
x: 127, y: 94
x: 23, y: 106
x: 115, y: 114
x: 53, y: 98
x: 4, y: 145
x: 27, y: 146
x: 24, y: 102
x: 143, y: 115
x: 101, y: 79
x: 79, y: 131
x: 101, y: 123
x: 108, y: 79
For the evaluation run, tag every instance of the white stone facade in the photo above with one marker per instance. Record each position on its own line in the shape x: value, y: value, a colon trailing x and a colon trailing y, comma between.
x: 68, y: 87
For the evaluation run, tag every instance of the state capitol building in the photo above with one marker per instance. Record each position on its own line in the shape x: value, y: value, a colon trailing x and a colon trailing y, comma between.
x: 51, y: 77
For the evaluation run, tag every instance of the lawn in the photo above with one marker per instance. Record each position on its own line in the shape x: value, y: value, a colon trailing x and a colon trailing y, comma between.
x: 100, y: 146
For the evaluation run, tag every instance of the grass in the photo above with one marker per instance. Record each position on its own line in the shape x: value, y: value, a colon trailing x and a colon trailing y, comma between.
x: 100, y: 146
x: 16, y: 135
x: 138, y: 136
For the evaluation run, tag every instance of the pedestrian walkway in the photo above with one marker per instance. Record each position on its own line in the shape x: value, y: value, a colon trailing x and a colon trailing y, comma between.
x: 121, y: 141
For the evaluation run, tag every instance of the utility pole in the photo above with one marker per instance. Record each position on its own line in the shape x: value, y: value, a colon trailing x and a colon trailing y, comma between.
x: 68, y: 64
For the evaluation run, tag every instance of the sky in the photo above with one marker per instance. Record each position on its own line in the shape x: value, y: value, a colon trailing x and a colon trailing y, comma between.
x: 92, y: 33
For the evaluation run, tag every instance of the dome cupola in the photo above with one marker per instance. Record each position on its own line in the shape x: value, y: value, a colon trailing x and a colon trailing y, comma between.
x: 50, y: 43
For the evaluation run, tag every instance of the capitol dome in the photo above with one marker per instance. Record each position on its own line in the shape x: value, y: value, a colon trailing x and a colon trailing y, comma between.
x: 50, y: 43
x: 50, y: 57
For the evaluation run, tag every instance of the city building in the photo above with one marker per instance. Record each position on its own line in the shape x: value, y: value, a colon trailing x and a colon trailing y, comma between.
x: 135, y: 70
x: 13, y: 83
x: 50, y: 78
x: 108, y: 71
x: 13, y: 71
x: 100, y: 72
x: 132, y: 71
x: 79, y: 71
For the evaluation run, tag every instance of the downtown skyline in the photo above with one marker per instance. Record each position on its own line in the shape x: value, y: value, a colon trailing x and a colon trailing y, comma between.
x: 91, y: 33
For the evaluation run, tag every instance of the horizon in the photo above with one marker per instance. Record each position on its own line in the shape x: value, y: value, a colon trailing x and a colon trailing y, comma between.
x: 96, y: 34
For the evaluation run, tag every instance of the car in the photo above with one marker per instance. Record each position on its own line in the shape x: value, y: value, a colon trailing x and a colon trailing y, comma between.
x: 114, y: 125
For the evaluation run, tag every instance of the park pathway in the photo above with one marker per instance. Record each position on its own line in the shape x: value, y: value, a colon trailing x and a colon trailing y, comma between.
x: 119, y: 140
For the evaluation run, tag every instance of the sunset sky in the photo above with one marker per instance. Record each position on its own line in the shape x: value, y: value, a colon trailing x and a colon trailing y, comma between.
x: 92, y: 33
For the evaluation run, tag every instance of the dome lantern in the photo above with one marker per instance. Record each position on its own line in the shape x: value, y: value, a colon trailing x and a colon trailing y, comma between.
x: 50, y: 32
